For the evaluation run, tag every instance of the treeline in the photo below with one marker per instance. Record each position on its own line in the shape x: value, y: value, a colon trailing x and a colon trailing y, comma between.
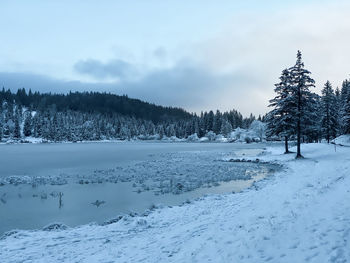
x: 94, y: 102
x: 101, y: 116
x: 299, y: 113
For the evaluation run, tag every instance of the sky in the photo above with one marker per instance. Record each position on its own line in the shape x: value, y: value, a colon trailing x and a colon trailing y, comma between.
x: 198, y: 54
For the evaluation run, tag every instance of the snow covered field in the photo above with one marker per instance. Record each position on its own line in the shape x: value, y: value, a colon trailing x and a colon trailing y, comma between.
x: 300, y: 214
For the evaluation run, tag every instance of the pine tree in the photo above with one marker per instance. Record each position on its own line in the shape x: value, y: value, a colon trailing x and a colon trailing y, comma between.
x: 301, y: 84
x: 345, y: 89
x: 311, y: 120
x: 344, y: 95
x: 17, y: 130
x: 338, y: 109
x: 281, y: 120
x: 346, y: 115
x: 210, y: 121
x: 1, y: 121
x: 226, y: 128
x: 160, y: 131
x: 196, y: 125
x: 217, y: 122
x: 1, y: 129
x: 27, y: 128
x: 328, y: 112
x: 53, y: 128
x: 201, y: 124
x: 311, y: 123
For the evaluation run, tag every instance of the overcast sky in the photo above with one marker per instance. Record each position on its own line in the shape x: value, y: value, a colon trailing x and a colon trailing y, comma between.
x: 197, y: 54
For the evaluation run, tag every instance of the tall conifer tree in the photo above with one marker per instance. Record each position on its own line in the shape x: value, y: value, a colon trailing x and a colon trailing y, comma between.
x: 328, y: 112
x: 280, y: 121
x: 302, y: 96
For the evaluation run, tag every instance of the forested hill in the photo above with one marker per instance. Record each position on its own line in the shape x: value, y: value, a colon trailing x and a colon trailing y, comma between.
x: 101, y: 116
x: 95, y: 102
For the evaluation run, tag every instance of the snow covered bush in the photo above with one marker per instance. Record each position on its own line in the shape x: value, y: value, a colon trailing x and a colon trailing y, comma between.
x: 220, y: 138
x: 255, y: 134
x: 211, y: 135
x: 172, y: 139
x: 203, y: 139
x: 193, y: 138
x: 149, y: 137
x: 238, y: 135
x: 258, y: 129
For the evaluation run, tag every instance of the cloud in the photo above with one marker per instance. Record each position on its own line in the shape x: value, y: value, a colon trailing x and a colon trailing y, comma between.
x: 185, y: 85
x: 192, y: 87
x: 235, y: 62
x: 234, y: 67
x: 113, y: 69
x: 160, y: 53
x: 262, y: 44
x: 15, y: 81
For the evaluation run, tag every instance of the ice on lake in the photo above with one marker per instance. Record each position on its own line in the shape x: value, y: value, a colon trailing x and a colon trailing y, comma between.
x: 93, y: 182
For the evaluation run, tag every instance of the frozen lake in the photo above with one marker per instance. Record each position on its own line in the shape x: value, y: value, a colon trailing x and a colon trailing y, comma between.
x: 93, y: 182
x: 37, y: 159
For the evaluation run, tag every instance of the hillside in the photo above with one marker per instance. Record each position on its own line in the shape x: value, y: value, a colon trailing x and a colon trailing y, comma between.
x: 95, y: 102
x: 102, y: 116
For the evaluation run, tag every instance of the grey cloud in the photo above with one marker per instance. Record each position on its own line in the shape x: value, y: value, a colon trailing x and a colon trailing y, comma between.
x: 186, y: 85
x: 160, y: 53
x: 194, y: 88
x: 183, y: 86
x: 112, y: 69
x: 14, y: 81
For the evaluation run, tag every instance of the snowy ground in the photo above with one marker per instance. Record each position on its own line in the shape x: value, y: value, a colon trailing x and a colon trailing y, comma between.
x: 299, y: 215
x: 343, y: 140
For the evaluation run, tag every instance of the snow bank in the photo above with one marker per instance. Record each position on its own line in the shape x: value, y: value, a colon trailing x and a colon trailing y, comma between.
x: 255, y: 133
x: 242, y: 135
x: 172, y: 139
x: 298, y: 215
x: 193, y: 138
x: 343, y: 140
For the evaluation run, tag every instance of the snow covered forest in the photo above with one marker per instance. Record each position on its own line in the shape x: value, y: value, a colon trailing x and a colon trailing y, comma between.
x: 100, y: 116
x: 301, y: 114
x: 297, y: 113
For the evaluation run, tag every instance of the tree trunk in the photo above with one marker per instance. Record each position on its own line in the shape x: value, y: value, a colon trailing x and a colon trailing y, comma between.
x: 328, y: 132
x: 299, y: 125
x: 298, y: 141
x: 286, y: 145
